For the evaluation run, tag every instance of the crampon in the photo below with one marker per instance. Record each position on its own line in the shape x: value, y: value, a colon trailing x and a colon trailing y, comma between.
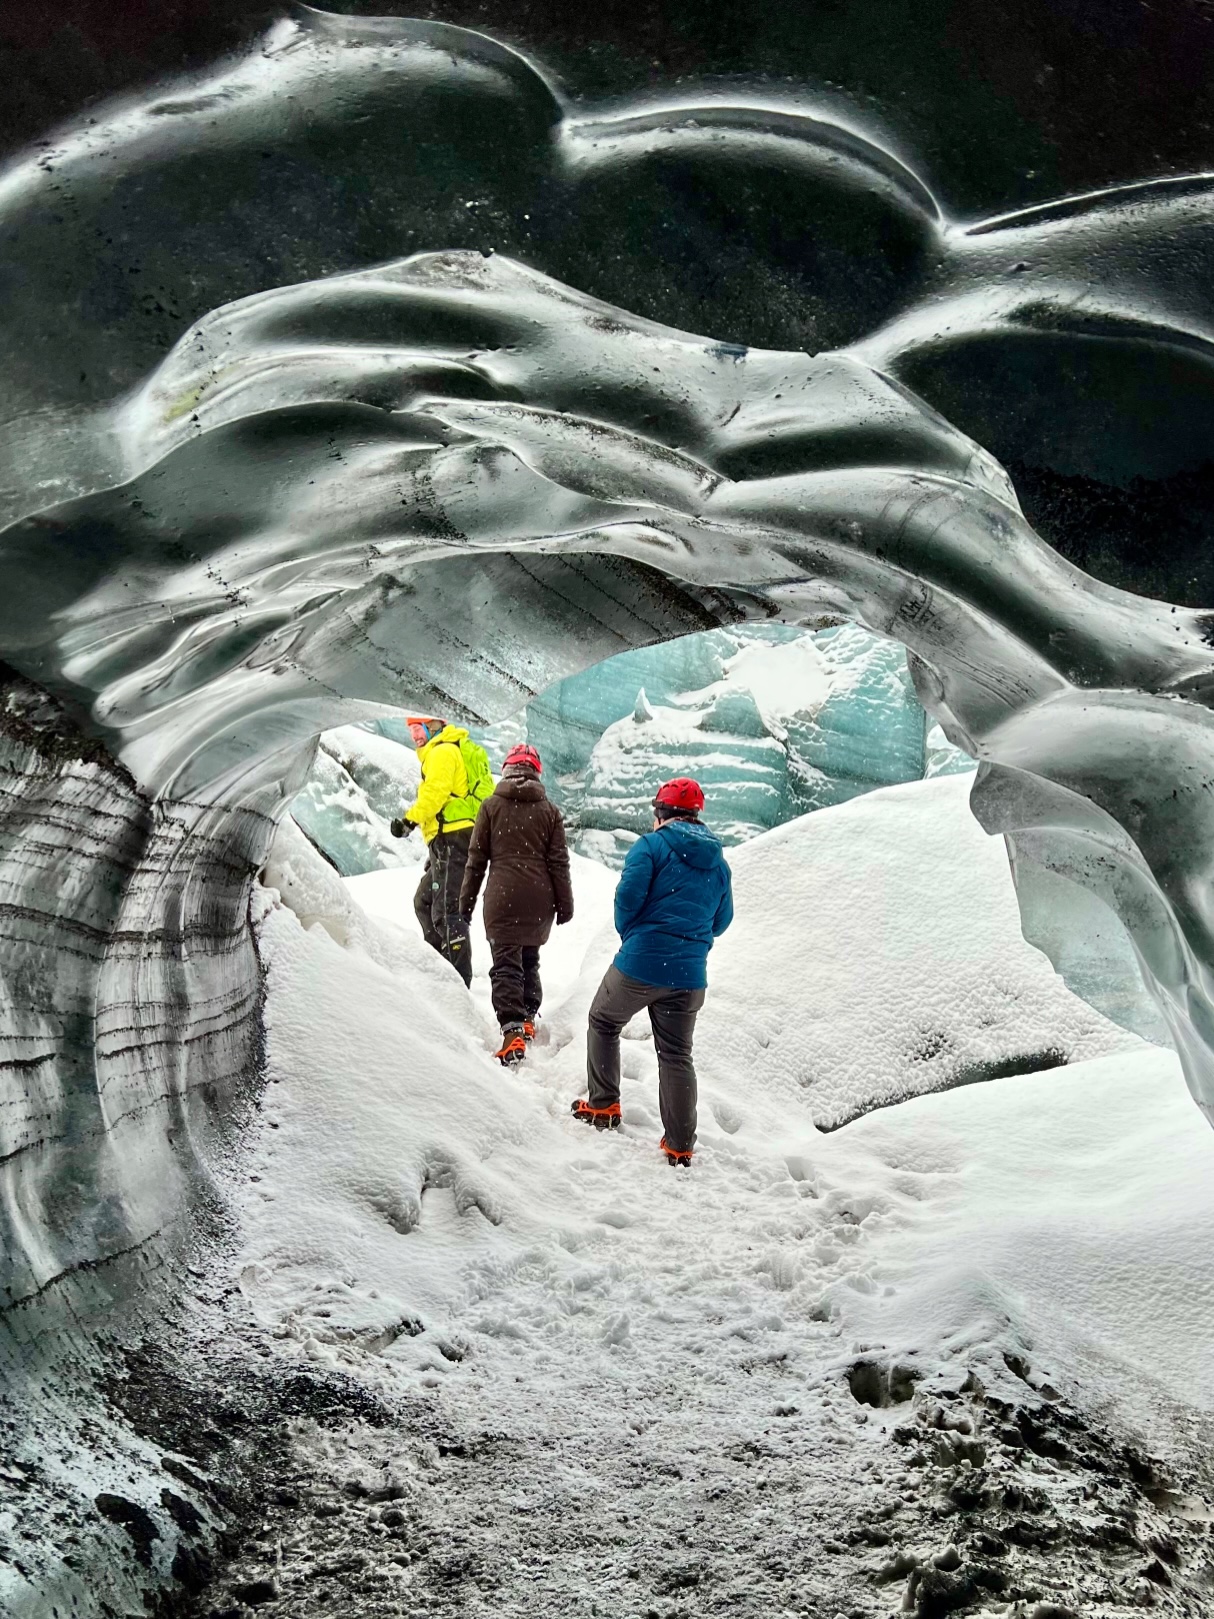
x: 602, y: 1118
x: 514, y: 1048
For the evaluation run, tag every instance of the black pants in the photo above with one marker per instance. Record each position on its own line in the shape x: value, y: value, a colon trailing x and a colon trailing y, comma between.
x: 672, y: 1014
x: 515, y: 977
x: 437, y: 900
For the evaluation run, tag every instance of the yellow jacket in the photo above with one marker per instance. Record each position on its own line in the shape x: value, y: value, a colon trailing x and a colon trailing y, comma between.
x: 443, y: 778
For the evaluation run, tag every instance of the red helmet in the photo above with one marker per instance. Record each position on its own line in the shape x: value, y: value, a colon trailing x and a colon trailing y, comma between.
x: 682, y: 794
x: 523, y: 754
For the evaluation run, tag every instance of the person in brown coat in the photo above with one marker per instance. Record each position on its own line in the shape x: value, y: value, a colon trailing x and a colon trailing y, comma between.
x: 520, y: 838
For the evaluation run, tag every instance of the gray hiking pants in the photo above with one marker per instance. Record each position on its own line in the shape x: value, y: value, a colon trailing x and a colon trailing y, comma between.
x: 672, y: 1014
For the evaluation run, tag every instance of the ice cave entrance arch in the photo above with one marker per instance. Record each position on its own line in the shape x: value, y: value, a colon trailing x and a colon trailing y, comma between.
x: 775, y: 720
x: 450, y: 481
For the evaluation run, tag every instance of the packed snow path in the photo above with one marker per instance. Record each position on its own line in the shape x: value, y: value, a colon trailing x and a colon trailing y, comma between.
x: 953, y: 1355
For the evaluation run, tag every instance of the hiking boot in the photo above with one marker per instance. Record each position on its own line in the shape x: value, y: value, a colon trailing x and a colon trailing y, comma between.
x: 603, y: 1118
x: 673, y: 1157
x: 514, y: 1047
x: 529, y: 1030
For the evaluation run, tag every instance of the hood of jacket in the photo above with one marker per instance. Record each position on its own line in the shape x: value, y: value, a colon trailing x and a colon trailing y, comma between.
x: 449, y: 733
x: 693, y: 842
x: 521, y: 789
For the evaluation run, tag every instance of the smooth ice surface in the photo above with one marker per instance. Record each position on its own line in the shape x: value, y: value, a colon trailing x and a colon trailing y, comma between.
x: 358, y: 783
x: 420, y: 1217
x: 1089, y: 947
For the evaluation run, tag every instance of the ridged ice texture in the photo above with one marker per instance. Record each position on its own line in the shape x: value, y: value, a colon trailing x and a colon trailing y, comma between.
x: 279, y: 439
x: 296, y: 529
x: 128, y: 1005
x: 129, y: 1044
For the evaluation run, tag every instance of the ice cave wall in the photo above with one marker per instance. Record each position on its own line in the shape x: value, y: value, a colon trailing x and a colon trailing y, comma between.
x: 259, y: 473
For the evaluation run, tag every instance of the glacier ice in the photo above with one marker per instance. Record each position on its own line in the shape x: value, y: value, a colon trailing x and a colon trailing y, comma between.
x: 337, y: 817
x: 358, y: 783
x: 778, y: 722
x: 741, y: 766
x: 256, y: 481
x: 773, y: 720
x: 566, y: 721
x: 384, y: 769
x: 1088, y: 944
x: 943, y: 758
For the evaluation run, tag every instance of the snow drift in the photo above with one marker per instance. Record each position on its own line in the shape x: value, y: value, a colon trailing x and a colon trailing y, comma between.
x: 892, y: 966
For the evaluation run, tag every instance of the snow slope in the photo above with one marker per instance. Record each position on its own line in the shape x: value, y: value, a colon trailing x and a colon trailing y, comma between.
x: 416, y: 1210
x: 1073, y: 1210
x: 877, y: 954
x: 661, y: 1381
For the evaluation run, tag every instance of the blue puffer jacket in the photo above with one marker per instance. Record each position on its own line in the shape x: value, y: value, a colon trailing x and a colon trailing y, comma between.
x: 674, y: 898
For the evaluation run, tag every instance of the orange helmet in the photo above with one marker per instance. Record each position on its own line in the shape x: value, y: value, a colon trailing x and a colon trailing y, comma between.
x: 423, y: 728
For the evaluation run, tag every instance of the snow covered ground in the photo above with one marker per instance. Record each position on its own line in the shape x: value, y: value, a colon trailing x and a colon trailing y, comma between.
x: 617, y: 1333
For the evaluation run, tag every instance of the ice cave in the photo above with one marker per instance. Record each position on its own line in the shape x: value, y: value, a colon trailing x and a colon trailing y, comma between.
x: 811, y: 399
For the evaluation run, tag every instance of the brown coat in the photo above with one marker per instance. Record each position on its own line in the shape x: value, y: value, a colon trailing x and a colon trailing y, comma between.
x: 520, y: 837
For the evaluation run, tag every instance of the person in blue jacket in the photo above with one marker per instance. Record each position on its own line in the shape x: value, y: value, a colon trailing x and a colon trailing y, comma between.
x: 674, y: 898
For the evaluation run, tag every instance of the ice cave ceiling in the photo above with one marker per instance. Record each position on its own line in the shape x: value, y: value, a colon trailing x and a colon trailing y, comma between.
x: 386, y: 361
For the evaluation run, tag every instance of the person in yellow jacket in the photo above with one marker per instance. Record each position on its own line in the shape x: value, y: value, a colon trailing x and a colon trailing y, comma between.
x: 445, y: 808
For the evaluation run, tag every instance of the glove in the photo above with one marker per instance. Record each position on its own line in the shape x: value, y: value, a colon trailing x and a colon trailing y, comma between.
x: 401, y: 829
x: 561, y: 920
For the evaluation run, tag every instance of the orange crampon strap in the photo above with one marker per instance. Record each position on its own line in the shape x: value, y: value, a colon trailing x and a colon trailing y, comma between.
x: 673, y: 1152
x: 515, y: 1043
x: 584, y: 1110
